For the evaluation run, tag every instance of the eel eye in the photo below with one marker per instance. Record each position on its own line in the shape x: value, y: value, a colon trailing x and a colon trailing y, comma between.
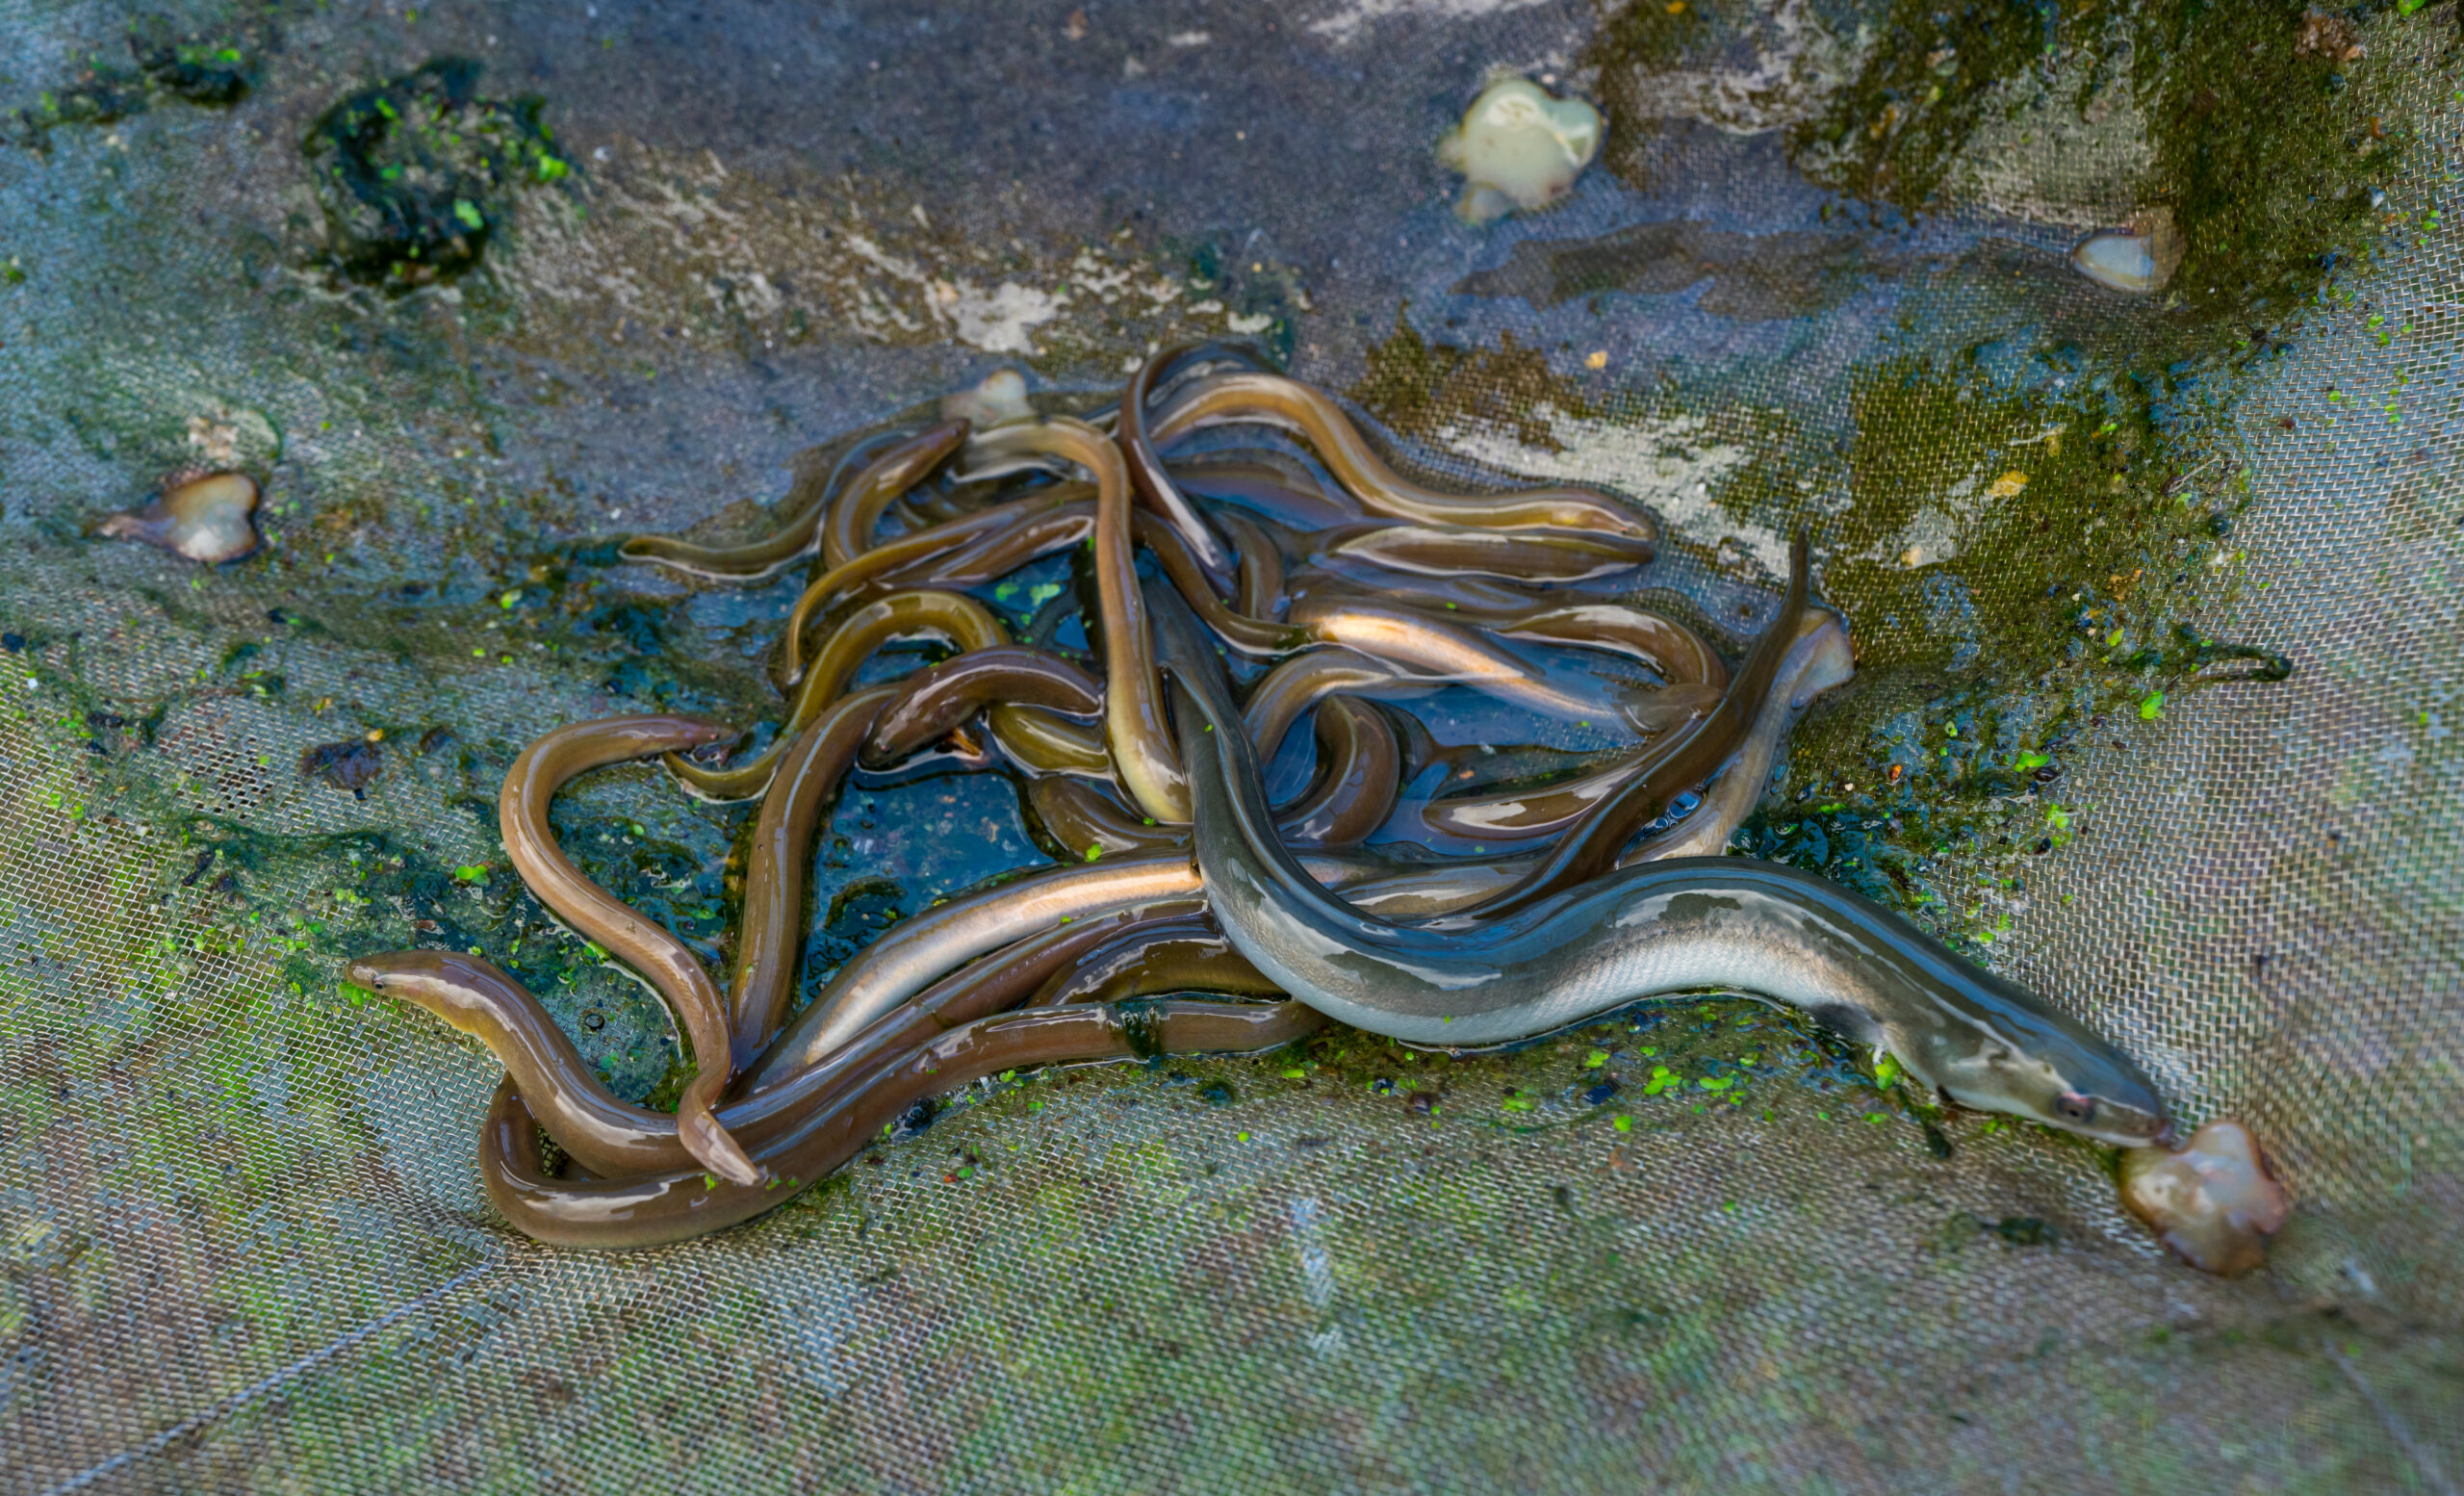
x: 2074, y: 1107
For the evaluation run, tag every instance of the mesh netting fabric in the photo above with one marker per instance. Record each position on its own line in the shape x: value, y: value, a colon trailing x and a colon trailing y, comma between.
x: 1818, y: 278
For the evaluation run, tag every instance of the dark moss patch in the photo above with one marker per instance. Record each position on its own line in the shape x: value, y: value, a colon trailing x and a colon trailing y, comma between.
x: 2269, y: 141
x: 1634, y: 45
x: 416, y: 173
x: 1754, y: 277
x: 2093, y: 529
x: 1892, y: 136
x: 352, y: 765
x: 193, y: 69
x: 2270, y: 134
x: 1418, y: 387
x: 1251, y: 288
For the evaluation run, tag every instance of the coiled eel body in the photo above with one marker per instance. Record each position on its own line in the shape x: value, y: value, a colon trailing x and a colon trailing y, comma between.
x: 1657, y: 929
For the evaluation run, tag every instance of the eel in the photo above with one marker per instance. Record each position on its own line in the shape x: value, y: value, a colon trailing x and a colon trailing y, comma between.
x: 847, y: 525
x: 899, y: 615
x: 1141, y: 748
x: 932, y: 701
x: 640, y: 942
x: 1657, y: 929
x: 1154, y: 484
x: 655, y: 1209
x: 1271, y: 400
x: 770, y: 932
x: 792, y: 538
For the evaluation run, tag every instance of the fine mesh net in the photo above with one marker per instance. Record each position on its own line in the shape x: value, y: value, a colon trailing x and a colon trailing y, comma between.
x: 1817, y: 279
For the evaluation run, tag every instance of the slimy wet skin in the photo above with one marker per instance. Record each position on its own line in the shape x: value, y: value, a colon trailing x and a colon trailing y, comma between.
x: 1271, y: 400
x: 795, y: 537
x: 1676, y: 762
x: 1815, y: 663
x: 1351, y: 796
x: 953, y: 616
x: 1690, y: 925
x: 644, y: 945
x: 1023, y: 529
x: 1154, y: 484
x: 929, y: 704
x: 1133, y: 711
x: 770, y: 934
x: 1521, y: 555
x: 847, y: 529
x: 654, y: 1209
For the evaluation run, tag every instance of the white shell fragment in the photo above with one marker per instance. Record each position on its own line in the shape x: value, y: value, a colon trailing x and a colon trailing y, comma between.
x: 207, y: 518
x: 2137, y: 259
x: 1519, y: 147
x: 2213, y: 1203
x: 1001, y: 397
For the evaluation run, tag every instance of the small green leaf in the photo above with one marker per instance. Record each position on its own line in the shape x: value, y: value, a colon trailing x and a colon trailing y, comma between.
x: 2152, y: 707
x: 469, y: 213
x: 552, y: 169
x: 471, y: 874
x: 1094, y: 853
x: 1595, y: 1060
x: 1623, y: 1123
x: 2030, y: 761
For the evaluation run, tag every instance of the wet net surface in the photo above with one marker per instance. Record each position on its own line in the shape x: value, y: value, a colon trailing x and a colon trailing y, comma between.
x: 1818, y: 278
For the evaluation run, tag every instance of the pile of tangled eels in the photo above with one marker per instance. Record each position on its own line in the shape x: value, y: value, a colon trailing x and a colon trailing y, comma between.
x: 1483, y: 918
